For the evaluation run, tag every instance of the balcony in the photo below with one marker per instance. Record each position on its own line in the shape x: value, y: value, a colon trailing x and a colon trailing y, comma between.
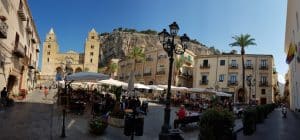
x: 138, y: 75
x: 162, y: 57
x: 263, y: 67
x: 207, y: 66
x: 19, y: 50
x: 233, y: 66
x: 249, y: 66
x: 186, y: 75
x: 149, y: 59
x: 21, y: 12
x: 232, y: 83
x: 263, y: 83
x: 147, y: 74
x: 161, y: 72
x: 203, y: 82
x: 3, y: 29
x: 28, y: 29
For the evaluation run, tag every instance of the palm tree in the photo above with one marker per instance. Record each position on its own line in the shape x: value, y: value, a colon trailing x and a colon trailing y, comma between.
x: 112, y: 68
x: 243, y: 41
x: 178, y: 64
x: 137, y: 54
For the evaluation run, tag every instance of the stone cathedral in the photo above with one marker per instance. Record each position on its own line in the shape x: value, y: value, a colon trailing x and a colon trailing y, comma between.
x: 56, y: 64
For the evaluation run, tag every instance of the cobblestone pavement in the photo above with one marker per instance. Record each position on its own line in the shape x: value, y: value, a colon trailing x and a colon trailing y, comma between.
x: 29, y: 119
x: 36, y: 118
x: 276, y: 128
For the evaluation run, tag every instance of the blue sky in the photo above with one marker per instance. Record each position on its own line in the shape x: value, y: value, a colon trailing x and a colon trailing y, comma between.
x: 212, y: 22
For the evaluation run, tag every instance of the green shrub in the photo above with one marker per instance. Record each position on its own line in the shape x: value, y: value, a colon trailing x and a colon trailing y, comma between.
x: 249, y: 121
x: 97, y: 125
x: 216, y: 124
x: 259, y: 114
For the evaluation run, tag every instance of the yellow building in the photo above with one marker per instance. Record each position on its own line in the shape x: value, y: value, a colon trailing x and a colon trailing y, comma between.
x: 155, y: 68
x: 19, y: 47
x: 55, y: 64
x: 224, y: 73
x: 292, y: 49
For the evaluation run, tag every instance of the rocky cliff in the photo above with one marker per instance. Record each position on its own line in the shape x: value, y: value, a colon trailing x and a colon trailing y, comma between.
x: 117, y: 44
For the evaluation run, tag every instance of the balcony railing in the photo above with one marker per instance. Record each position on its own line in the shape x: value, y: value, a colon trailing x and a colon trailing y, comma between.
x: 263, y: 67
x: 232, y: 83
x: 203, y: 82
x: 19, y: 50
x: 161, y: 57
x: 248, y: 66
x: 207, y: 66
x: 3, y: 29
x: 186, y: 75
x: 147, y: 74
x: 149, y: 59
x: 161, y: 72
x: 21, y: 12
x: 263, y: 83
x: 138, y: 75
x: 233, y: 66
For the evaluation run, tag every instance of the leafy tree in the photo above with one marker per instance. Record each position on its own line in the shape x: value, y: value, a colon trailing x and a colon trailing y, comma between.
x: 243, y: 41
x: 137, y: 54
x: 112, y: 68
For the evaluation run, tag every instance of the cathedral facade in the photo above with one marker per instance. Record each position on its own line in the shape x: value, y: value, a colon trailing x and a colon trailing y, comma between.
x: 55, y: 65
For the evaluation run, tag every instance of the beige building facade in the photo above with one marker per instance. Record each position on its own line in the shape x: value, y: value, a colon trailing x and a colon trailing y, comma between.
x: 224, y: 73
x: 55, y: 65
x: 19, y: 47
x: 155, y: 68
x: 292, y: 39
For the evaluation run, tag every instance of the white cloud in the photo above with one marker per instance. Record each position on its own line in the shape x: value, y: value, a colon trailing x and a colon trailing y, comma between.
x: 281, y: 78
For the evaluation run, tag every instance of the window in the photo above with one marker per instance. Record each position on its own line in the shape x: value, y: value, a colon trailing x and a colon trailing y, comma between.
x: 91, y: 60
x: 48, y: 52
x: 92, y: 46
x: 189, y: 58
x: 221, y: 78
x: 233, y: 63
x: 49, y: 46
x: 233, y: 78
x: 91, y: 53
x: 204, y: 79
x: 263, y: 79
x: 93, y: 37
x: 222, y: 62
x: 263, y: 91
x: 263, y: 63
x: 248, y: 63
x: 48, y: 60
x: 205, y: 62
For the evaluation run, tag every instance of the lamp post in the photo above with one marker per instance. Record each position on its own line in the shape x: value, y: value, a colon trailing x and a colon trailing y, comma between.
x: 63, y: 131
x: 169, y: 45
x: 250, y: 82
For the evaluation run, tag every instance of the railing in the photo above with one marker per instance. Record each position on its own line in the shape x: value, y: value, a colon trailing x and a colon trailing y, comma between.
x: 205, y: 66
x: 263, y: 83
x: 21, y: 12
x: 203, y: 82
x: 249, y: 66
x: 148, y: 74
x: 19, y: 50
x: 161, y: 72
x: 186, y: 75
x: 232, y: 83
x: 263, y: 67
x: 3, y: 29
x: 149, y: 59
x: 233, y: 66
x: 161, y: 57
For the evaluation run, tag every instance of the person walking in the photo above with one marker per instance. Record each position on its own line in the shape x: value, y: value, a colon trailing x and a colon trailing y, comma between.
x: 4, y: 97
x: 46, y: 92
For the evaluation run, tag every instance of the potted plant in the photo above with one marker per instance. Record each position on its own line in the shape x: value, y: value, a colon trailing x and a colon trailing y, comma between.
x: 117, y: 115
x: 97, y: 125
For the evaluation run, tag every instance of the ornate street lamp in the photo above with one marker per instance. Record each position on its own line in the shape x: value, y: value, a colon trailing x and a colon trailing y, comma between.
x: 169, y: 45
x: 250, y: 82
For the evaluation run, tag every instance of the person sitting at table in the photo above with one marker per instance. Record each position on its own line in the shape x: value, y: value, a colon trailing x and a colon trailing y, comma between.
x: 181, y: 114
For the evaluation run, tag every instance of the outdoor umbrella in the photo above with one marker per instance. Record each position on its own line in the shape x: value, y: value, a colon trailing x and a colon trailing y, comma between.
x: 155, y: 87
x: 112, y: 82
x: 86, y: 76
